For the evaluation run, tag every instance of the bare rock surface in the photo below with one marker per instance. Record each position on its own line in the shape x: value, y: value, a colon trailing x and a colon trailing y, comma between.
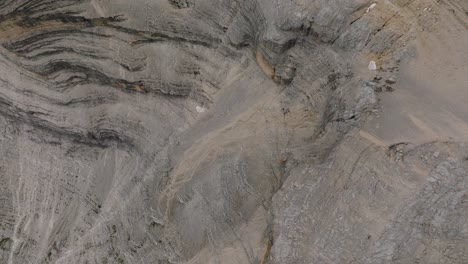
x: 246, y: 131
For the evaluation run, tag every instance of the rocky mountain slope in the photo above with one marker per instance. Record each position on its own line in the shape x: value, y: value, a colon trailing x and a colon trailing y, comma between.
x: 233, y: 131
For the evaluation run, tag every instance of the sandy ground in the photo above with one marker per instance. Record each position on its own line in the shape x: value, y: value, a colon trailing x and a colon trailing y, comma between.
x: 430, y: 100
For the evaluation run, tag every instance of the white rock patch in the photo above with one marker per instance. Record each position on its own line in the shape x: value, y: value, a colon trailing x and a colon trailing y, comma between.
x: 371, y: 7
x: 200, y: 109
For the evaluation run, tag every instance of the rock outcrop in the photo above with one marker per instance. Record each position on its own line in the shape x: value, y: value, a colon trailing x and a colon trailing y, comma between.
x: 247, y: 131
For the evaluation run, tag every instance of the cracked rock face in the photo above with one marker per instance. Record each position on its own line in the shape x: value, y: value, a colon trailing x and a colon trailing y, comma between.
x: 247, y: 131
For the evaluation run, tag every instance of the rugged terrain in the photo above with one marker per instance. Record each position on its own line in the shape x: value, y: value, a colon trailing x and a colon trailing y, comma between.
x: 233, y: 131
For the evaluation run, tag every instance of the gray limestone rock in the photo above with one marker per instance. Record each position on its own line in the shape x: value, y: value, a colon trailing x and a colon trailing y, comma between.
x: 247, y: 131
